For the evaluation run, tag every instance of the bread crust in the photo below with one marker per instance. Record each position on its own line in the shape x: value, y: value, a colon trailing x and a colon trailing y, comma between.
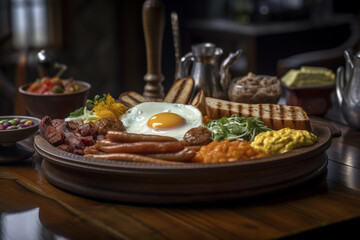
x: 274, y: 116
x: 131, y: 98
x: 199, y: 101
x: 180, y: 91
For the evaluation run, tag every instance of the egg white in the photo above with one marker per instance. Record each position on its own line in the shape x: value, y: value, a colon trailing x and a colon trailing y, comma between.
x: 135, y: 119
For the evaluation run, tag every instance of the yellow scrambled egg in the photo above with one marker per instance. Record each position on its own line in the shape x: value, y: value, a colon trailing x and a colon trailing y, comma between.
x: 283, y: 140
x: 109, y: 108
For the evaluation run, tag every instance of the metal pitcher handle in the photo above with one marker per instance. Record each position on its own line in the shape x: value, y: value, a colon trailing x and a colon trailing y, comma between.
x: 185, y: 64
x: 340, y: 84
x: 349, y: 64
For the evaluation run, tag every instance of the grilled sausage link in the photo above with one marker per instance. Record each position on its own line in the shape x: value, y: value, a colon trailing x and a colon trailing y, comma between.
x: 119, y: 136
x: 142, y: 147
x: 184, y: 155
x: 129, y: 157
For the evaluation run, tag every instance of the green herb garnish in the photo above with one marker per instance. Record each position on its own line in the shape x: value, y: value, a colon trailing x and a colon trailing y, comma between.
x: 91, y: 103
x: 85, y: 113
x: 236, y: 128
x: 77, y: 112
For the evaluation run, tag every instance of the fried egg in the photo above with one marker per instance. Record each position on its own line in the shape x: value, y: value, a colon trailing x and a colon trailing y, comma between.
x: 160, y: 118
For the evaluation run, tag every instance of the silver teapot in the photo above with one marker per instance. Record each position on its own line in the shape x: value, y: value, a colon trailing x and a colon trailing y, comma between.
x: 348, y: 88
x: 205, y: 71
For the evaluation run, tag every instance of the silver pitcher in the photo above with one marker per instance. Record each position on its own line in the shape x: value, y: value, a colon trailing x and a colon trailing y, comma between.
x: 204, y: 59
x: 348, y: 88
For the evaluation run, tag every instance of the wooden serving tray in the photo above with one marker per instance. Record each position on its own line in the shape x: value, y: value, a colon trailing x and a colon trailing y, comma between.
x: 183, y: 183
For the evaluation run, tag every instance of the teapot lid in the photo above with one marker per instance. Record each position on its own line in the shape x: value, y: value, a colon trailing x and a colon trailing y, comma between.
x: 203, y: 49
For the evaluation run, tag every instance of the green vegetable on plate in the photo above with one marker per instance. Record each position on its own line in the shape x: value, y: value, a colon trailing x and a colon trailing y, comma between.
x: 235, y: 128
x: 86, y: 114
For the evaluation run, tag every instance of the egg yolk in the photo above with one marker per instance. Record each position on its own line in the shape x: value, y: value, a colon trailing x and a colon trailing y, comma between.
x: 165, y: 120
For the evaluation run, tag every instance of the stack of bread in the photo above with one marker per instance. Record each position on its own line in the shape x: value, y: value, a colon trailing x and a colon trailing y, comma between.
x: 273, y: 115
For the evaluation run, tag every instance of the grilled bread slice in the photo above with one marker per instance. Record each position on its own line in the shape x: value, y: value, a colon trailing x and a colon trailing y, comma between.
x: 199, y: 101
x: 274, y: 116
x: 131, y: 98
x: 180, y: 91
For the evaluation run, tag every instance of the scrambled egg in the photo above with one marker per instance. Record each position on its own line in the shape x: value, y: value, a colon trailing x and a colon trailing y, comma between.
x: 283, y: 140
x: 109, y: 108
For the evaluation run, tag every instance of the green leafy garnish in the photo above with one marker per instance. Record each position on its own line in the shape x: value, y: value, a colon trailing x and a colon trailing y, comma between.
x: 77, y: 112
x: 91, y: 103
x: 85, y: 113
x: 235, y: 128
x: 86, y: 116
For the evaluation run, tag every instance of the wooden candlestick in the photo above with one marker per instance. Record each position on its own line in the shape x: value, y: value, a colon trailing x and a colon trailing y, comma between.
x: 153, y: 13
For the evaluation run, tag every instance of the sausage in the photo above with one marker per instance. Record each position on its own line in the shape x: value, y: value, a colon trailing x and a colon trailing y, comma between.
x: 118, y: 136
x: 92, y: 150
x: 197, y: 136
x: 142, y: 147
x: 106, y: 142
x: 184, y: 155
x: 194, y: 147
x: 129, y: 158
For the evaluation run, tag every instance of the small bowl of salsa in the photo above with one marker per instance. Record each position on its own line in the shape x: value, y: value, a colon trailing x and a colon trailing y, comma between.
x: 54, y: 96
x: 54, y: 85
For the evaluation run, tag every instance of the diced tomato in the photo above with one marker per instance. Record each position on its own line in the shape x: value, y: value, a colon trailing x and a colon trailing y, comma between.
x: 42, y: 89
x: 34, y: 86
x: 45, y: 80
x: 46, y: 86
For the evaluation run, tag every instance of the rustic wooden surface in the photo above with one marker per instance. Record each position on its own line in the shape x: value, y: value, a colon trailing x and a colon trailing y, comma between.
x: 327, y: 206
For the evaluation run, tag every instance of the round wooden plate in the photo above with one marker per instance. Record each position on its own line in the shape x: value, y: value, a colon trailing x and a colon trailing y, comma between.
x: 183, y: 183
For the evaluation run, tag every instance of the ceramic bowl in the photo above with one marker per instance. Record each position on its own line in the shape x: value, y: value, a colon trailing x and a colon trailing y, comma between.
x: 314, y: 100
x: 10, y: 136
x: 55, y: 105
x: 254, y: 94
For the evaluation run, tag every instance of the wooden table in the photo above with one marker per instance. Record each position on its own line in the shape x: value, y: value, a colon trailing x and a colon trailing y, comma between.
x: 32, y: 208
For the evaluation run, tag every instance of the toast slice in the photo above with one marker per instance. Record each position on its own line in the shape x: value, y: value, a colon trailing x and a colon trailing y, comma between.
x: 274, y: 116
x: 131, y: 98
x: 180, y: 91
x: 199, y: 101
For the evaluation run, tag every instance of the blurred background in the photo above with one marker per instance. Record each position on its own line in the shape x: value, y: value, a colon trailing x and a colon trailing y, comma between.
x: 102, y: 42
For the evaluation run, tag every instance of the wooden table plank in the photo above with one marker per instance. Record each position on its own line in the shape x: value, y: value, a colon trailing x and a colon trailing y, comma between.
x: 52, y: 215
x: 268, y: 216
x: 327, y: 201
